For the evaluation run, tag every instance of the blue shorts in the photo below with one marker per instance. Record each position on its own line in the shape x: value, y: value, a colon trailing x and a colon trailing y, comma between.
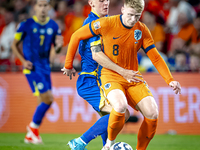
x: 88, y: 88
x: 39, y: 82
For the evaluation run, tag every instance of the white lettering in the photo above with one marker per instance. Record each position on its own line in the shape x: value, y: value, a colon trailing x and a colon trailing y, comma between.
x: 55, y: 116
x: 178, y: 105
x: 193, y: 92
x: 165, y: 91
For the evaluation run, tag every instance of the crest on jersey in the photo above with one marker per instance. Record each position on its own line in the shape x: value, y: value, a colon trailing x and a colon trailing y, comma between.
x: 42, y: 31
x: 97, y: 25
x: 49, y: 31
x: 40, y: 86
x: 137, y: 34
x: 34, y: 30
x: 107, y: 86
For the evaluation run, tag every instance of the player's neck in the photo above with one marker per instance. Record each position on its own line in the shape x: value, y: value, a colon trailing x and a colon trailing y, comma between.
x: 95, y: 12
x: 41, y: 19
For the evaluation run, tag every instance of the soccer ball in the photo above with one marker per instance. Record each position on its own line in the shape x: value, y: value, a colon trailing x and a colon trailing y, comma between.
x: 121, y: 146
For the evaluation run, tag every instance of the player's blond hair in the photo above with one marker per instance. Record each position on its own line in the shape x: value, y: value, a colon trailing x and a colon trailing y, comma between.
x: 138, y: 5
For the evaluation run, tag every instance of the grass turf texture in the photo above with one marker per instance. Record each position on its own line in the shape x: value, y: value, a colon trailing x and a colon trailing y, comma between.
x: 14, y: 141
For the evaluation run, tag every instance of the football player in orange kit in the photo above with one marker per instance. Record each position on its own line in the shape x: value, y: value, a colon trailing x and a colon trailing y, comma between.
x: 123, y: 35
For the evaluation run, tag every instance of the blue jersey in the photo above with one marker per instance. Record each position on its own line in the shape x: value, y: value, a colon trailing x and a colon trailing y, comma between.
x: 87, y: 62
x: 37, y: 41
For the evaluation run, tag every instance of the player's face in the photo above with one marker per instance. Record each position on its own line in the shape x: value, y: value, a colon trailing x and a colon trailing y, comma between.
x: 100, y: 6
x: 41, y: 9
x: 130, y: 16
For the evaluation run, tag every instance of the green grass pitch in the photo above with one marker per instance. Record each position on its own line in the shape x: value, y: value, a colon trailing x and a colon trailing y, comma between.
x: 14, y: 141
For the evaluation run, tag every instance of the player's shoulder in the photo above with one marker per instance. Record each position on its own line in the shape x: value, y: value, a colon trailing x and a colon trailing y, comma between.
x: 141, y: 25
x: 91, y: 17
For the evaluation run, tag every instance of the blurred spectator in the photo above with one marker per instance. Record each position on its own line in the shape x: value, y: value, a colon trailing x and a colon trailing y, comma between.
x: 158, y: 35
x: 6, y: 39
x: 73, y: 21
x: 178, y: 6
x: 181, y: 61
x: 156, y: 29
x: 196, y: 41
x: 20, y: 5
x: 186, y: 33
x: 194, y: 62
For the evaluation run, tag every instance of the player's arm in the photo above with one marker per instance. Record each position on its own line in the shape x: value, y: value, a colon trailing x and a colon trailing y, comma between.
x: 16, y: 51
x: 58, y: 43
x: 81, y: 34
x: 104, y: 61
x: 162, y: 68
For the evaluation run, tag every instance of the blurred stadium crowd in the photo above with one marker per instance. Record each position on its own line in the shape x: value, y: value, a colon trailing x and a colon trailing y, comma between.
x: 174, y: 24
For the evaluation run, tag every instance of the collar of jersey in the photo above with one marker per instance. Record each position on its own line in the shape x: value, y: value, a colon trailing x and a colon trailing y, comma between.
x: 123, y: 23
x: 42, y: 23
x: 97, y: 14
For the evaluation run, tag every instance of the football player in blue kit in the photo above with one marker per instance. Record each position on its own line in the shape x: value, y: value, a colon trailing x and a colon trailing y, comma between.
x: 39, y: 34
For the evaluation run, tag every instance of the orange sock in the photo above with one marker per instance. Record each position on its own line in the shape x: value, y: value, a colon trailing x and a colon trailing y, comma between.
x: 115, y: 124
x: 146, y: 133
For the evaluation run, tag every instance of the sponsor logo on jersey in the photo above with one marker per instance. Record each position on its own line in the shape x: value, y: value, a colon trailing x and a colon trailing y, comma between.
x: 107, y: 86
x: 34, y: 30
x: 40, y: 86
x: 97, y: 25
x: 137, y: 34
x: 49, y: 31
x: 4, y: 105
x: 42, y: 31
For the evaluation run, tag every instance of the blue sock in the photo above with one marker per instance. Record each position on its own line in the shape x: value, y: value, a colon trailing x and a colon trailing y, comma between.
x: 99, y: 128
x: 104, y: 137
x: 40, y: 112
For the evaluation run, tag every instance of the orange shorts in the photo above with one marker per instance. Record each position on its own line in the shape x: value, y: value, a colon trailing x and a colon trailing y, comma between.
x: 134, y: 92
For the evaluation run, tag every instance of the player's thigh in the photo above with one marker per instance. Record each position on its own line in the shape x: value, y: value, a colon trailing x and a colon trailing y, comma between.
x: 148, y: 107
x: 115, y: 94
x: 40, y: 84
x: 88, y: 88
x: 137, y: 92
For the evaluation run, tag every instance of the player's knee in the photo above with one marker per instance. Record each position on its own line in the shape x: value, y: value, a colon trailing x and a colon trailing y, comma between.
x: 127, y: 115
x: 47, y: 98
x: 153, y: 114
x: 120, y: 107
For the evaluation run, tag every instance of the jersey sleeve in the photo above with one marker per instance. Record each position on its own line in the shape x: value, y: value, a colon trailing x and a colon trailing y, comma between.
x: 99, y: 26
x: 82, y: 33
x: 160, y: 65
x: 21, y: 31
x: 147, y: 42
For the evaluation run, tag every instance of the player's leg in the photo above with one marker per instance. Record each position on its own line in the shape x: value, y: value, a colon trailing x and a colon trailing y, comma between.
x: 40, y: 85
x: 142, y: 99
x: 117, y: 98
x: 89, y: 90
x: 149, y: 109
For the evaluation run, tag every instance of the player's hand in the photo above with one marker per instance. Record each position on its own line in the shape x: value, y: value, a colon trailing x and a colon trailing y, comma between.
x: 132, y: 76
x: 59, y: 41
x: 28, y: 65
x: 176, y: 86
x: 69, y: 72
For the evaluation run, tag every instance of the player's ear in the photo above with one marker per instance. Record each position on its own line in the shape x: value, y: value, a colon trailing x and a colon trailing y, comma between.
x: 90, y: 2
x: 122, y: 9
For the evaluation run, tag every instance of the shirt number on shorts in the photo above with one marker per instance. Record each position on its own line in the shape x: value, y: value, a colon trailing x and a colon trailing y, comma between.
x: 115, y: 50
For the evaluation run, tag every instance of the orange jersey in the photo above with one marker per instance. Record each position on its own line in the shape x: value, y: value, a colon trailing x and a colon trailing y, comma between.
x: 122, y: 43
